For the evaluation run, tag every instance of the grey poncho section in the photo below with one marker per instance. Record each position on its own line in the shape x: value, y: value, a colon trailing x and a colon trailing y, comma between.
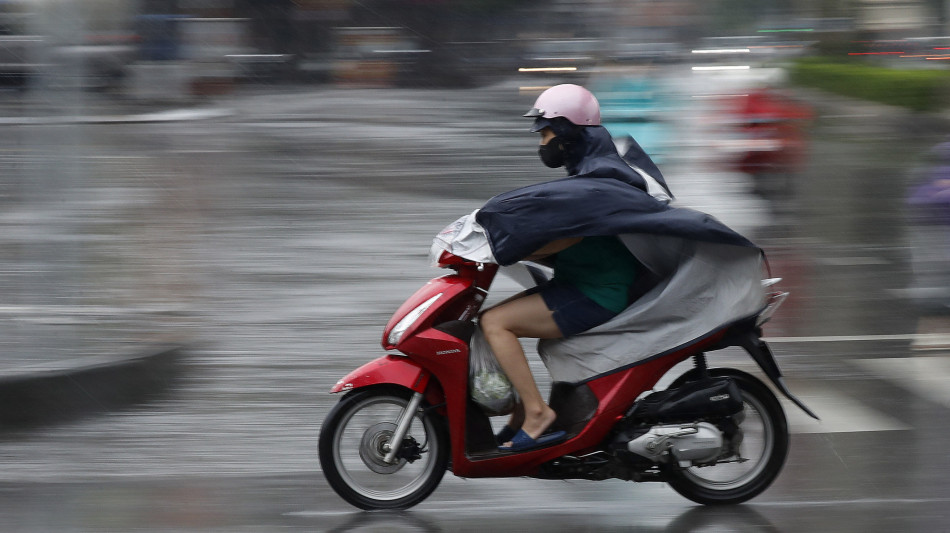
x: 705, y: 286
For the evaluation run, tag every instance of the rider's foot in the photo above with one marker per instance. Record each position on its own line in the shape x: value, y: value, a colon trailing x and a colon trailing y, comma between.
x: 535, y: 424
x: 521, y: 442
x: 505, y: 434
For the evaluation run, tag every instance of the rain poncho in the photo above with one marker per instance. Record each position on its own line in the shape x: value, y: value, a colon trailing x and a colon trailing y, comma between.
x: 708, y: 275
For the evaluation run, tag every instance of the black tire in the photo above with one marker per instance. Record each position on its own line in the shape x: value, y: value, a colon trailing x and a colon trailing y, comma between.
x: 351, y: 455
x: 765, y: 446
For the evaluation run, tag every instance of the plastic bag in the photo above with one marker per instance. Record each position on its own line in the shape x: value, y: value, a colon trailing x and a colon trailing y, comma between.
x: 465, y: 238
x: 488, y: 384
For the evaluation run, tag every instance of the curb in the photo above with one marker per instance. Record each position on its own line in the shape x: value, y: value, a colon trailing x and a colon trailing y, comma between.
x: 62, y: 391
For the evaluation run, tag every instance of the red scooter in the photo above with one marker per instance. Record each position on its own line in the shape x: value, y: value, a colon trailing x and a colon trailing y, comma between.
x: 716, y: 435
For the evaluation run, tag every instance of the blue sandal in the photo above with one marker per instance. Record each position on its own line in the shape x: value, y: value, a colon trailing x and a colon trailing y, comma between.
x: 506, y: 434
x: 523, y: 442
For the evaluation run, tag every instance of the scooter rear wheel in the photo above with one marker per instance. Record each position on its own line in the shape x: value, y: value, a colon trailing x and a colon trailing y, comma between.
x: 762, y: 452
x: 354, y: 440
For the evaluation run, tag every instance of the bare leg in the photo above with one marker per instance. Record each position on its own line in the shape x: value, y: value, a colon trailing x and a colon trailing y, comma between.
x: 503, y: 325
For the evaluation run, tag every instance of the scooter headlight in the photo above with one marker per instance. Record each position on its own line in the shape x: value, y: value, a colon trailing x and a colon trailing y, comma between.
x: 395, y: 335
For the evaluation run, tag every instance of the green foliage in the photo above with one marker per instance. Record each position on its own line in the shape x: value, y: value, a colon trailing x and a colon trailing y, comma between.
x: 919, y: 90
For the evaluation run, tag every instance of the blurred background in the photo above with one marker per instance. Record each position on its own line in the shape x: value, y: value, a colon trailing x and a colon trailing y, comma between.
x: 728, y: 95
x: 259, y: 181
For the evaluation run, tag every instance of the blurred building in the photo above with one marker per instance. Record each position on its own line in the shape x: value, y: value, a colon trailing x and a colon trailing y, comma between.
x: 906, y: 17
x: 399, y: 42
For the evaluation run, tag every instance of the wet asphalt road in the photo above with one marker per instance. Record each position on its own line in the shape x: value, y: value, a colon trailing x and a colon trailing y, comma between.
x: 278, y: 239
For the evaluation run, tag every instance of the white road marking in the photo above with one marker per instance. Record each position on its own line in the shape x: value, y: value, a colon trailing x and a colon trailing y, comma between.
x: 918, y: 341
x: 839, y: 412
x: 858, y: 501
x: 924, y: 376
x: 844, y: 338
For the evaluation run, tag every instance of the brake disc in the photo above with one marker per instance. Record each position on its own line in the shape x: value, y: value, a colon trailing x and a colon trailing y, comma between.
x: 374, y: 447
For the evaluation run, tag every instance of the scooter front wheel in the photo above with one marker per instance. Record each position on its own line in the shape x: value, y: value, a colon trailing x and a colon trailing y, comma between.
x: 356, y: 437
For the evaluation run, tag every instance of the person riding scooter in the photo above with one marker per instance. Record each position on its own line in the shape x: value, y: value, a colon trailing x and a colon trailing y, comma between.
x: 693, y: 286
x: 594, y: 275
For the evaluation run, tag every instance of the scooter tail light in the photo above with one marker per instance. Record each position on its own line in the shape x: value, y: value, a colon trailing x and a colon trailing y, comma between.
x: 401, y: 327
x: 775, y: 301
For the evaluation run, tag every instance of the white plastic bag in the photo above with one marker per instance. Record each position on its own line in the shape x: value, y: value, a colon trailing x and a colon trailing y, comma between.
x: 488, y: 384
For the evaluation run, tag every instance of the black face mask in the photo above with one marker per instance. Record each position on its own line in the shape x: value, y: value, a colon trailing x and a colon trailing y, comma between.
x: 552, y: 153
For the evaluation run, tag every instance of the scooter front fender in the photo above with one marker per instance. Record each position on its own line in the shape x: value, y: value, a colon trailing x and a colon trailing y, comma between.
x: 387, y: 370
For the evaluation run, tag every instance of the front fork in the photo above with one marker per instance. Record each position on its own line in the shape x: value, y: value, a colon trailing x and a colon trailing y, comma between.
x: 402, y: 427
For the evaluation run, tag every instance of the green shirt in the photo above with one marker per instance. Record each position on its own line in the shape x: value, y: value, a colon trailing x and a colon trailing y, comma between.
x: 601, y: 267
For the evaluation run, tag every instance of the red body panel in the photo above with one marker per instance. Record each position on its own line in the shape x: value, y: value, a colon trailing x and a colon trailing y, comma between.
x: 446, y: 358
x: 436, y: 364
x: 451, y: 287
x: 391, y: 369
x: 615, y: 394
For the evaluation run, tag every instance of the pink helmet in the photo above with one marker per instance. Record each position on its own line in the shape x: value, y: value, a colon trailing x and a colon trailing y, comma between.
x: 570, y: 101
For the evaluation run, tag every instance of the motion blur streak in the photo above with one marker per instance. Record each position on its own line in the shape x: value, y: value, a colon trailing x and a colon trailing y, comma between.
x: 260, y: 181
